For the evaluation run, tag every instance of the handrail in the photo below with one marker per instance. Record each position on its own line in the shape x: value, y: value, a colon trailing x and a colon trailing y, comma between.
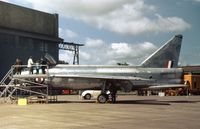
x: 13, y: 67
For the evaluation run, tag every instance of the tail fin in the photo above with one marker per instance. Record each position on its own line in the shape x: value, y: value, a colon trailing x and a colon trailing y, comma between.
x: 166, y: 56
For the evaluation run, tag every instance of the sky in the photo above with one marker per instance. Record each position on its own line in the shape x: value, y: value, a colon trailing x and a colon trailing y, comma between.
x: 118, y: 31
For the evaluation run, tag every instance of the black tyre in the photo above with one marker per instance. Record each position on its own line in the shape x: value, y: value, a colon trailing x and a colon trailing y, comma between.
x: 87, y: 96
x: 102, y: 98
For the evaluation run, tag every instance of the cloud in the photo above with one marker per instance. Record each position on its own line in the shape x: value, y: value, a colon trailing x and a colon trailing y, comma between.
x: 5, y: 0
x: 119, y: 50
x: 67, y: 33
x: 66, y: 56
x: 102, y: 53
x: 171, y: 24
x: 94, y: 43
x: 85, y: 55
x: 97, y: 52
x: 125, y: 17
x: 197, y: 0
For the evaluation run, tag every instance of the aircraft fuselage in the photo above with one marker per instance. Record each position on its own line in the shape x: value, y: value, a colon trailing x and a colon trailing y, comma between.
x: 82, y: 77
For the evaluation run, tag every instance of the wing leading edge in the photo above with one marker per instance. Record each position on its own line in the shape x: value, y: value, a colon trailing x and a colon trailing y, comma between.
x: 108, y: 77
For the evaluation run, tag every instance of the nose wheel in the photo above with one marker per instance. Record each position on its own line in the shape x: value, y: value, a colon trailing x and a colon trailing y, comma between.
x: 102, y: 98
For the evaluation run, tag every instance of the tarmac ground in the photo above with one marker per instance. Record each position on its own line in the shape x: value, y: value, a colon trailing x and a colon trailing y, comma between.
x: 129, y: 112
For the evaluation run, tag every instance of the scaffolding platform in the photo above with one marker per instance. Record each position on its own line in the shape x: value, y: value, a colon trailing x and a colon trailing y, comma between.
x: 30, y: 76
x: 29, y: 86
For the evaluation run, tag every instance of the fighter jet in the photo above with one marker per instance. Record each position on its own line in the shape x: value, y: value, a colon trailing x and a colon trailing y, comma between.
x: 159, y: 70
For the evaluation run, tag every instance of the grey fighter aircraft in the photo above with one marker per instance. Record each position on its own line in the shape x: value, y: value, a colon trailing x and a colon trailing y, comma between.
x: 157, y: 71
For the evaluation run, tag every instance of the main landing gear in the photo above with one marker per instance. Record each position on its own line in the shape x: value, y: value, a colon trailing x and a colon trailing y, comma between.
x: 105, y: 96
x: 102, y: 98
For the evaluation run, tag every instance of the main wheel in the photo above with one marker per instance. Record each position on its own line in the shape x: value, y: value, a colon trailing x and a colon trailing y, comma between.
x: 102, y: 98
x: 87, y: 96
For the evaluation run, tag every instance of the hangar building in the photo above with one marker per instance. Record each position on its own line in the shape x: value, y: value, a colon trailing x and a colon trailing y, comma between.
x: 26, y: 32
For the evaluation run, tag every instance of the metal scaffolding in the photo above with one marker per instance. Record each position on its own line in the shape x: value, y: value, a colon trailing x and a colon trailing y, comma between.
x: 14, y: 86
x: 71, y: 47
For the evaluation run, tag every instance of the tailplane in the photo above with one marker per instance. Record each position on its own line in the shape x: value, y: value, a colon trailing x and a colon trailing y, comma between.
x: 166, y: 56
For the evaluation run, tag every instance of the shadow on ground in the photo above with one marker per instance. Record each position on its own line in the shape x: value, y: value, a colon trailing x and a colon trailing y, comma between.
x: 144, y: 102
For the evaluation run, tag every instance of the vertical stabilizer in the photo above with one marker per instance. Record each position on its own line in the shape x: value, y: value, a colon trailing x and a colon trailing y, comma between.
x: 166, y: 56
